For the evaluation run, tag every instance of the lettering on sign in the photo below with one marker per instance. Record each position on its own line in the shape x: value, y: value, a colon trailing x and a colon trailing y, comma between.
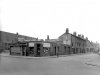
x: 31, y: 44
x: 21, y: 39
x: 46, y: 44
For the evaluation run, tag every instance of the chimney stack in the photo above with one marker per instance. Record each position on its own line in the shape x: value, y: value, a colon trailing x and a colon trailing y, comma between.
x: 74, y: 33
x: 47, y: 37
x: 83, y: 36
x: 86, y: 38
x: 79, y: 35
x: 67, y: 30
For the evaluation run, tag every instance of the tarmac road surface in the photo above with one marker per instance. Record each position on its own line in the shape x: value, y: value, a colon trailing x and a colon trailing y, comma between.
x: 87, y: 64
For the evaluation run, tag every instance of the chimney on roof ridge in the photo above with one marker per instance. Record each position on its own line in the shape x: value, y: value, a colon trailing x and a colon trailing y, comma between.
x: 67, y: 30
x: 74, y: 33
x: 79, y: 35
x: 83, y: 36
x: 86, y: 38
x: 47, y: 37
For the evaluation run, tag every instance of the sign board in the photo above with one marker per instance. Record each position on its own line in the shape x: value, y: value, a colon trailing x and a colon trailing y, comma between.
x: 31, y: 44
x: 46, y: 44
x: 21, y: 39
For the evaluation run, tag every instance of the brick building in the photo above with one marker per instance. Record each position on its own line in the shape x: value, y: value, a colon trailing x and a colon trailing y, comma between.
x: 78, y: 43
x: 7, y: 38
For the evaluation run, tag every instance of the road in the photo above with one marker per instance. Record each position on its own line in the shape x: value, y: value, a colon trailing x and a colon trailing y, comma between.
x: 85, y: 64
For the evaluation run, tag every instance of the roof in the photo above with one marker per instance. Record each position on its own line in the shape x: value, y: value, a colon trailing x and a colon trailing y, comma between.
x: 8, y: 37
x: 71, y: 35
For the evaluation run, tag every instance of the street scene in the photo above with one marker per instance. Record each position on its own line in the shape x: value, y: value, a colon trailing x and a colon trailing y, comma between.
x: 86, y: 64
x: 69, y: 54
x: 49, y: 37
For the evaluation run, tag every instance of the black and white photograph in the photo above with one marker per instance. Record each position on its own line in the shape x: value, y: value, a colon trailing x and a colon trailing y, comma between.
x: 49, y: 37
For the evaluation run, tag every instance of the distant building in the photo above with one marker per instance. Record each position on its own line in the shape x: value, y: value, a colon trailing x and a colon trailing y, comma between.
x: 7, y: 38
x: 96, y: 47
x: 52, y: 40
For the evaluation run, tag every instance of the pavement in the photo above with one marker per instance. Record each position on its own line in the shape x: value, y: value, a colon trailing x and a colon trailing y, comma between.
x: 8, y: 55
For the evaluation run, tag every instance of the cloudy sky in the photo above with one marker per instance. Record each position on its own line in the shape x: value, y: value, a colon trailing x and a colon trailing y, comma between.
x: 39, y: 18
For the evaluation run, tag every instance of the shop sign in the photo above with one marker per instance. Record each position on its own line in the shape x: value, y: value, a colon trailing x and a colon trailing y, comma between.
x: 21, y: 39
x: 46, y: 44
x: 31, y: 44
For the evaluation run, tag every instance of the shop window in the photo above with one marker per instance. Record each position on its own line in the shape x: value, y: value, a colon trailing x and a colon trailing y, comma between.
x: 31, y: 50
x: 46, y: 49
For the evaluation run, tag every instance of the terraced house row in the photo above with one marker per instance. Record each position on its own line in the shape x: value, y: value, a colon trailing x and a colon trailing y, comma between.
x: 77, y: 43
x: 65, y: 44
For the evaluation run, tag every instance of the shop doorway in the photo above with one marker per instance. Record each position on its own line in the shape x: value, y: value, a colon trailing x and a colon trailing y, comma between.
x: 38, y: 51
x: 31, y: 51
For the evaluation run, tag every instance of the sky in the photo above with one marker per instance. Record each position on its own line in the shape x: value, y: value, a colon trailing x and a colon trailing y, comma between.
x: 39, y: 18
